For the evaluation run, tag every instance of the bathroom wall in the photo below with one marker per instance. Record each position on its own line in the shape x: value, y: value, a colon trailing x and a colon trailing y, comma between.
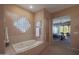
x: 39, y: 16
x: 45, y: 17
x: 48, y: 28
x: 73, y: 12
x: 2, y: 36
x: 15, y: 35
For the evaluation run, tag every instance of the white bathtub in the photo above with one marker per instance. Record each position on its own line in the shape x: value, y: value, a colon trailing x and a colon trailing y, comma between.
x: 26, y: 45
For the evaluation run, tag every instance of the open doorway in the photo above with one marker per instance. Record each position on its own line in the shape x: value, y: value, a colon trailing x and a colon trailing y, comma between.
x: 61, y: 30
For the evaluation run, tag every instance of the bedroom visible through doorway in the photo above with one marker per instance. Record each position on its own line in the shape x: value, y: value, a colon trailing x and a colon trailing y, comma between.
x: 62, y: 30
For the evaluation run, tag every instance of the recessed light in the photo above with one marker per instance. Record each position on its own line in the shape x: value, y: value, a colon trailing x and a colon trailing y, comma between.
x: 31, y: 6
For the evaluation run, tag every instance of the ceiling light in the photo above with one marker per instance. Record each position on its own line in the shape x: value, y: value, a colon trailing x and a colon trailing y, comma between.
x: 31, y: 6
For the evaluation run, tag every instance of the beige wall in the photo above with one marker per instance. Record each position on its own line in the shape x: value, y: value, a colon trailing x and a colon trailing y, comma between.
x: 48, y: 27
x: 73, y: 12
x: 39, y: 16
x: 45, y: 17
x: 14, y: 34
x: 2, y: 36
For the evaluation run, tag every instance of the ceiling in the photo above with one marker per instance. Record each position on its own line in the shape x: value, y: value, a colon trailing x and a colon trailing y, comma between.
x: 65, y: 20
x: 50, y: 7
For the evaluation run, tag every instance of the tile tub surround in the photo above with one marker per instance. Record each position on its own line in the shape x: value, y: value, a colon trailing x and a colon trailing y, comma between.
x: 23, y: 46
x: 16, y: 36
x: 9, y: 50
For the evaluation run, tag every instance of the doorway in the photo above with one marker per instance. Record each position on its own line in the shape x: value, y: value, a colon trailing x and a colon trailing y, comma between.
x: 61, y: 31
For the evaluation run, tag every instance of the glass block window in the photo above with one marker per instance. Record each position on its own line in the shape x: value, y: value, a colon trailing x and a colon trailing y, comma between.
x: 22, y: 24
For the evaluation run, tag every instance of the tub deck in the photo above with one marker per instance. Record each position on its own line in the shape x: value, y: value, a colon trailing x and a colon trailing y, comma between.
x: 28, y: 49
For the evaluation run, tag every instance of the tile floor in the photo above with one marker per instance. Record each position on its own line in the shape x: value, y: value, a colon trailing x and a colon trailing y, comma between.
x: 58, y: 49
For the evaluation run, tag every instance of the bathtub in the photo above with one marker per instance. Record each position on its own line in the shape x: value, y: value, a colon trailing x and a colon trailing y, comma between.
x: 26, y: 45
